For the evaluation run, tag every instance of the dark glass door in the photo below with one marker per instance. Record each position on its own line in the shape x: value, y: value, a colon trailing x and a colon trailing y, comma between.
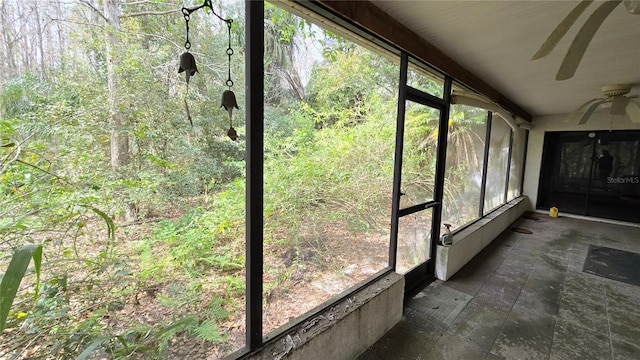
x: 615, y: 183
x: 592, y: 173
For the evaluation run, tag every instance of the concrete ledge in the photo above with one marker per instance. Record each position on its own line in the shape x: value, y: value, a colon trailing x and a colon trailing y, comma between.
x: 470, y: 241
x: 347, y: 329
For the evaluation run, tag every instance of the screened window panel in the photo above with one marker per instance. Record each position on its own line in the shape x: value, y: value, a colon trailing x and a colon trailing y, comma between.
x: 463, y: 171
x: 328, y: 168
x: 497, y: 164
x: 517, y: 163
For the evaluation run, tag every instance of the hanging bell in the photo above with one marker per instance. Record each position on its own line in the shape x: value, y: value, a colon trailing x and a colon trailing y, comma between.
x: 229, y: 101
x: 188, y: 65
x: 232, y: 134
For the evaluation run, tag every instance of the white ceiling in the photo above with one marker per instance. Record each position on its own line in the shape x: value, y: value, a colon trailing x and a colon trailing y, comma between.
x: 495, y: 40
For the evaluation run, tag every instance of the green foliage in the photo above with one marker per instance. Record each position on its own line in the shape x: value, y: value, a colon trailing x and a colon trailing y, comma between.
x: 342, y: 94
x: 168, y: 332
x: 13, y: 276
x: 284, y: 35
x: 27, y: 96
x: 318, y: 176
x: 209, y: 330
x: 200, y: 239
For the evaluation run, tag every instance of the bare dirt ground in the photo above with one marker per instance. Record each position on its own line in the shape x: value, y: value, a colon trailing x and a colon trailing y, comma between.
x: 297, y: 280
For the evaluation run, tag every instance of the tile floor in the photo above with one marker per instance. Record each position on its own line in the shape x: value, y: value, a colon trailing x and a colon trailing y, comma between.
x: 525, y: 297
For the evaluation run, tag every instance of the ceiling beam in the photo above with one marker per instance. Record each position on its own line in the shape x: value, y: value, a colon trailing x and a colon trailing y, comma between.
x: 368, y: 16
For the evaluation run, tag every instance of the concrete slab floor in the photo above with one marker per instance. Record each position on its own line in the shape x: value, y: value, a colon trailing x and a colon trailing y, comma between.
x: 530, y: 299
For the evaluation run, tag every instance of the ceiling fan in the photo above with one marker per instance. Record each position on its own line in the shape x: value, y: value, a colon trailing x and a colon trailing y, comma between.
x: 614, y: 95
x: 583, y: 38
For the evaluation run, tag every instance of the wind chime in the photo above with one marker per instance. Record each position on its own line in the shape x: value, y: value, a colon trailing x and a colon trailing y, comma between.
x: 188, y: 66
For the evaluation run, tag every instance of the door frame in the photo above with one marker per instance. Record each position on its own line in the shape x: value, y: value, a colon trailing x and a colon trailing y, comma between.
x: 551, y: 158
x: 423, y: 273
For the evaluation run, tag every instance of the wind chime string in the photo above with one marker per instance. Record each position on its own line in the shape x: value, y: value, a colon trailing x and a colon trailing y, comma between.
x: 229, y: 52
x: 228, y: 97
x: 187, y: 17
x: 188, y: 65
x: 187, y: 62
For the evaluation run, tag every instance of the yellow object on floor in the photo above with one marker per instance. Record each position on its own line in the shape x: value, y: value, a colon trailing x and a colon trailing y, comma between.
x: 553, y: 212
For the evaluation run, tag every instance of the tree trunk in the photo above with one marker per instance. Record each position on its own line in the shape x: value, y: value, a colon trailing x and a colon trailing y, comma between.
x: 23, y: 35
x: 62, y: 38
x: 4, y: 60
x: 119, y: 137
x: 10, y: 69
x: 39, y: 35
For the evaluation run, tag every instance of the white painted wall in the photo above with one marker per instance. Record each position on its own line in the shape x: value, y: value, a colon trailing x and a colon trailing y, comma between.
x: 599, y: 121
x: 470, y: 241
x: 344, y: 331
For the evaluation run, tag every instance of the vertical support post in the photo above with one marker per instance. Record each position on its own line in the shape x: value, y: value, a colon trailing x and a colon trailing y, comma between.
x: 485, y: 161
x: 397, y: 166
x: 254, y: 103
x: 443, y: 133
x: 524, y: 161
x: 506, y: 184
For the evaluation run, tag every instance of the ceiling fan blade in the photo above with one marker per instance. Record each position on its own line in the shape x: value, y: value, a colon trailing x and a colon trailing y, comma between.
x: 633, y: 6
x: 575, y: 115
x: 561, y: 30
x: 633, y: 110
x: 587, y: 114
x: 582, y: 40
